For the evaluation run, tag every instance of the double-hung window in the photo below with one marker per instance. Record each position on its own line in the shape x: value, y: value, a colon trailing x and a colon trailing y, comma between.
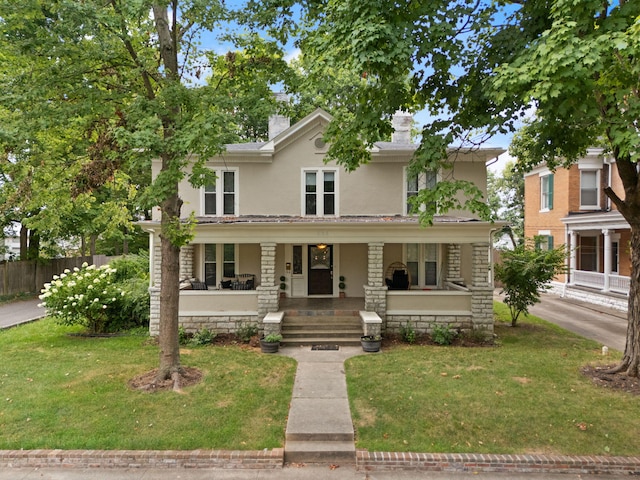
x: 221, y: 198
x: 413, y: 184
x: 320, y: 191
x: 219, y: 262
x: 422, y: 263
x: 589, y: 192
x: 546, y: 192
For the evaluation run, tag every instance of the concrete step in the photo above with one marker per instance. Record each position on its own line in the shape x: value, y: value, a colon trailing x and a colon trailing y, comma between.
x: 322, y: 332
x: 302, y: 341
x: 320, y: 452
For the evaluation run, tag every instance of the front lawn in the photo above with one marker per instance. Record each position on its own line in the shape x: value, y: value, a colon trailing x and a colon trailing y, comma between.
x: 525, y: 395
x: 70, y: 392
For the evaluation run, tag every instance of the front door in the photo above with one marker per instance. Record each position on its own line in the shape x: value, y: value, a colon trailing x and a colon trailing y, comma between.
x: 320, y: 270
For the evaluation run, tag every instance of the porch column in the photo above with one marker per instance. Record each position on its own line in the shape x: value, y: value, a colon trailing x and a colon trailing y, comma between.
x: 154, y: 291
x: 481, y: 291
x: 607, y: 259
x: 454, y: 261
x: 186, y: 262
x: 573, y: 248
x: 375, y: 292
x: 268, y: 290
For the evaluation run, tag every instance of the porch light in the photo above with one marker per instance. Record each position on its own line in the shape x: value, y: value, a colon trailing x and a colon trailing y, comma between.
x: 321, y: 246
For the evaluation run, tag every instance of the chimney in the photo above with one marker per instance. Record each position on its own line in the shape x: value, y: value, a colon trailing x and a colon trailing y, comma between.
x: 401, y: 123
x: 279, y: 123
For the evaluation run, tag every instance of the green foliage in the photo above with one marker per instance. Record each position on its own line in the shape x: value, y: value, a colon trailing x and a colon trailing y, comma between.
x: 524, y: 272
x: 86, y: 296
x: 407, y: 333
x: 505, y: 195
x: 443, y: 334
x: 273, y: 338
x: 203, y: 336
x: 107, y: 299
x: 246, y: 331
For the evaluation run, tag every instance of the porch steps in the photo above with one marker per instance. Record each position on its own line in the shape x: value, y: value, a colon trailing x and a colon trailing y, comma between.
x: 321, y: 329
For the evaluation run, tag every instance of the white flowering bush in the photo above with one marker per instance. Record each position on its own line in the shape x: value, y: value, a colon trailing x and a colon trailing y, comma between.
x: 86, y: 296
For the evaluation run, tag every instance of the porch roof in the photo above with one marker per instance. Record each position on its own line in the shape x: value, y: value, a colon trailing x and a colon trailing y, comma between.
x: 613, y: 219
x: 344, y: 229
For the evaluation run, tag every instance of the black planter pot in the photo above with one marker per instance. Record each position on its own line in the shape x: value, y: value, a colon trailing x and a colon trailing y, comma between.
x: 269, y: 347
x: 369, y: 344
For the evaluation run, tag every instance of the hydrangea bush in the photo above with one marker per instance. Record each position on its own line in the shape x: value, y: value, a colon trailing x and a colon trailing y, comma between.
x: 85, y: 296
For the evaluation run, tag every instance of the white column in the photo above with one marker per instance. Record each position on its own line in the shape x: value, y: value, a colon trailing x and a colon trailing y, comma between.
x: 573, y: 248
x: 607, y: 258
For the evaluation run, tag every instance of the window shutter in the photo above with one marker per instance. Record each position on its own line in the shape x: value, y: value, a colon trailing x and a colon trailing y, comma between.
x: 550, y: 242
x: 551, y: 192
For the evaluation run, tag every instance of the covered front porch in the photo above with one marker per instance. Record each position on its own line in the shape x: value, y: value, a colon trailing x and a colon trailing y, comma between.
x: 447, y: 282
x: 599, y: 256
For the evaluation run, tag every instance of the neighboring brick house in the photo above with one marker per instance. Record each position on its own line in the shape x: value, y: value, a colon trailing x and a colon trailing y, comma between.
x: 569, y: 206
x: 279, y: 214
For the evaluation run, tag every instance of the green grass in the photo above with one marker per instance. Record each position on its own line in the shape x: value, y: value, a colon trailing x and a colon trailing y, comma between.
x: 61, y: 391
x: 525, y: 395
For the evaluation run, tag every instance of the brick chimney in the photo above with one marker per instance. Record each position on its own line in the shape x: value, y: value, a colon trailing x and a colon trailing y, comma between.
x: 279, y: 123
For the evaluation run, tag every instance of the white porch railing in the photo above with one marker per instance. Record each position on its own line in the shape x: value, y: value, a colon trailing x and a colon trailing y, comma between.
x: 617, y: 283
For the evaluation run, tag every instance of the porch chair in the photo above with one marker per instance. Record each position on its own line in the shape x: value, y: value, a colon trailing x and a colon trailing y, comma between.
x: 397, y: 276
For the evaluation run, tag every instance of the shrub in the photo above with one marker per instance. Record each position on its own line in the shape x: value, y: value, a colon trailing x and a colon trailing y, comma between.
x: 85, y: 296
x: 246, y: 331
x: 203, y: 337
x: 407, y: 333
x: 443, y: 334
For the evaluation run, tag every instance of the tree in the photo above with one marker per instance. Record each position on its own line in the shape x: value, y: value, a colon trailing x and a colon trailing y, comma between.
x: 126, y: 75
x: 478, y: 68
x: 505, y: 197
x: 581, y: 72
x: 524, y: 272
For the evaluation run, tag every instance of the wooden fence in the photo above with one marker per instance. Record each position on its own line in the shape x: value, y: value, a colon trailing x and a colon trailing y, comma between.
x: 29, y: 276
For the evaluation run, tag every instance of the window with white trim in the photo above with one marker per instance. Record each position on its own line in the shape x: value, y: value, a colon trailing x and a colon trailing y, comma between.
x: 546, y: 192
x: 413, y: 184
x: 320, y: 191
x: 219, y: 262
x: 589, y: 191
x: 221, y: 198
x: 422, y: 263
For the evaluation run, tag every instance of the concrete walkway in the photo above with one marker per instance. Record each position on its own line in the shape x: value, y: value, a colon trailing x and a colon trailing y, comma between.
x: 21, y: 311
x: 319, y: 427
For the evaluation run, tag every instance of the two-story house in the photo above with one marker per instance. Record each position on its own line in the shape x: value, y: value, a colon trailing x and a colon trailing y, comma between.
x: 568, y: 206
x: 279, y: 220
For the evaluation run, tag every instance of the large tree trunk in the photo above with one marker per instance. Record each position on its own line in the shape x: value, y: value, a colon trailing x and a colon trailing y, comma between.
x: 631, y: 360
x: 169, y: 294
x: 24, y: 242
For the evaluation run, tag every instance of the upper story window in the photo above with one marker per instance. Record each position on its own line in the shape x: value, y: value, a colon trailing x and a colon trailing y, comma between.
x: 546, y: 192
x: 413, y: 184
x: 221, y: 198
x: 589, y: 189
x: 320, y: 192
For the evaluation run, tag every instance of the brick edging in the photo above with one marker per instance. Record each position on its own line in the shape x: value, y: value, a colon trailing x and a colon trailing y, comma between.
x: 229, y: 459
x: 451, y: 462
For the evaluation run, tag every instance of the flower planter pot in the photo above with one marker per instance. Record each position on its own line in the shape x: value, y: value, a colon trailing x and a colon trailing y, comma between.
x: 269, y: 347
x: 370, y: 343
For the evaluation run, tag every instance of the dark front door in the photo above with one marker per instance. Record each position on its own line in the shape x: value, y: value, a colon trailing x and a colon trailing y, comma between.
x: 320, y: 270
